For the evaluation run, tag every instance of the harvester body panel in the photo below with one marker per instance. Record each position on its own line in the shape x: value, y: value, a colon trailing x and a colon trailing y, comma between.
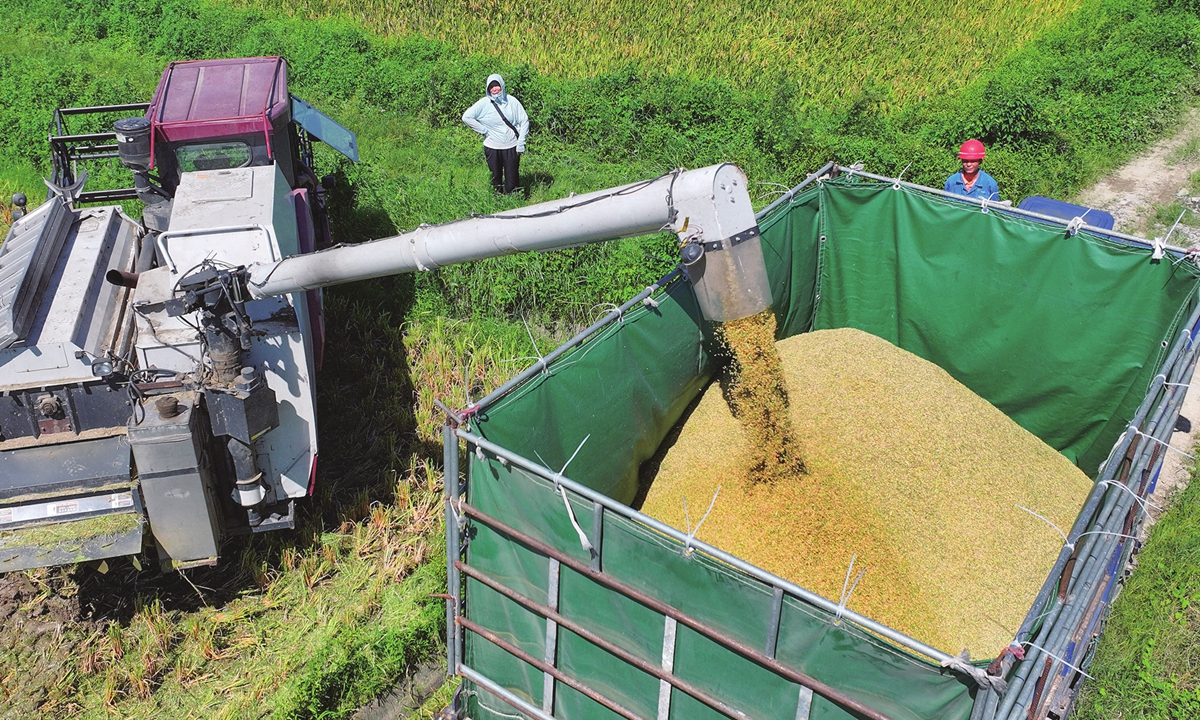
x: 66, y: 492
x: 236, y: 217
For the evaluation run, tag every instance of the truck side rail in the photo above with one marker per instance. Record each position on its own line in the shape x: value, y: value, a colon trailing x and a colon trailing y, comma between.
x: 601, y: 504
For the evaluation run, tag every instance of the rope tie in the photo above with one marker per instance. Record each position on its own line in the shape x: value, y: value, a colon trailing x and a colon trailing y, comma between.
x: 687, y: 544
x: 456, y: 514
x: 1164, y: 443
x: 538, y: 353
x: 961, y: 663
x: 1141, y: 500
x: 649, y: 301
x: 1064, y: 662
x: 984, y: 205
x: 1160, y: 248
x: 1049, y: 522
x: 1075, y: 225
x: 558, y: 478
x: 583, y: 540
x: 845, y: 599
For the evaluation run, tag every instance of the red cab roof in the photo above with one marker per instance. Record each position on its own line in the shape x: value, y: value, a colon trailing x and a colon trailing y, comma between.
x: 208, y: 98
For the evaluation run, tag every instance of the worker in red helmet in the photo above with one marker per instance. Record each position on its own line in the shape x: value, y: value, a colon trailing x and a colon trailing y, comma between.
x: 972, y: 181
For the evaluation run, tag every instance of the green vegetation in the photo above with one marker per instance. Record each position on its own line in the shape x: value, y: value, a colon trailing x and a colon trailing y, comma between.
x: 1168, y: 214
x: 311, y: 623
x: 1148, y: 659
x: 827, y: 51
x: 71, y: 535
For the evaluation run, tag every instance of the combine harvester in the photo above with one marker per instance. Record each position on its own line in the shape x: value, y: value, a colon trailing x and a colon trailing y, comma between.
x: 158, y: 384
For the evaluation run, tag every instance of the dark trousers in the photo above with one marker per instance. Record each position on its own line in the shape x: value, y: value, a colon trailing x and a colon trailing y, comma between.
x: 504, y: 165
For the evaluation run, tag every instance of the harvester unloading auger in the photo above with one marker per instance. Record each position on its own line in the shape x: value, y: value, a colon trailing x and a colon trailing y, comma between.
x: 156, y: 378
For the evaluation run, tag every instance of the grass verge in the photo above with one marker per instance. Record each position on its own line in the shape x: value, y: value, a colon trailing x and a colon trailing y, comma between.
x: 1147, y: 662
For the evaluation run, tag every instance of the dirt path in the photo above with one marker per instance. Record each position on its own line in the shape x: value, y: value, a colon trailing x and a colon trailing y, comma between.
x: 1159, y: 177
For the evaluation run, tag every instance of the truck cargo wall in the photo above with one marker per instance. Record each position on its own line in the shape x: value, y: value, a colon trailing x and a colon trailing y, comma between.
x: 1062, y: 332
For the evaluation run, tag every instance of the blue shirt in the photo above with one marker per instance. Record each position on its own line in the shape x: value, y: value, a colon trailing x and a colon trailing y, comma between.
x: 985, y: 187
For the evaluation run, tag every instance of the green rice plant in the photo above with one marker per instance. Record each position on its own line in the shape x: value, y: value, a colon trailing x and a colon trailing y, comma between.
x: 829, y: 51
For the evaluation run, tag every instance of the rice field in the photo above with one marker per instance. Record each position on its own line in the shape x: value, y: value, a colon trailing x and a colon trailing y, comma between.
x: 910, y: 474
x: 903, y: 51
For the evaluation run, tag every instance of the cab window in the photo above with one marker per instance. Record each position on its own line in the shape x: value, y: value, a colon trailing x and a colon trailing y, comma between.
x: 213, y: 156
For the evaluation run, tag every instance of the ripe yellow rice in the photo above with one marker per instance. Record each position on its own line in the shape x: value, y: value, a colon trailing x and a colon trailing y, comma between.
x: 758, y: 399
x: 907, y: 468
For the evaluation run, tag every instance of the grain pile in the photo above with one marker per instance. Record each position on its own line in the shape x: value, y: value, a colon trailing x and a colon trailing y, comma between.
x: 759, y: 399
x: 907, y: 468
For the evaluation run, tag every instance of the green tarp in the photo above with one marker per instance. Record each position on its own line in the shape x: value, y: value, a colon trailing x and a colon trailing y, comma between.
x: 1061, y: 332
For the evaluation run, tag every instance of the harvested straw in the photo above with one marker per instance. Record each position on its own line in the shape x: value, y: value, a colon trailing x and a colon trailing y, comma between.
x: 759, y: 399
x: 907, y: 468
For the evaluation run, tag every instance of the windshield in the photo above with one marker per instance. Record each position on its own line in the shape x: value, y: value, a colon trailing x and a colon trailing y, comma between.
x: 213, y: 156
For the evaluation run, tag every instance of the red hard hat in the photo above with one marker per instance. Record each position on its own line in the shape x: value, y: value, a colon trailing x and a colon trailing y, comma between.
x: 971, y: 150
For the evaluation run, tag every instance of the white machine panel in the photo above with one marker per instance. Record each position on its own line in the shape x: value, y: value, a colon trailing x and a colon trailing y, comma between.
x: 238, y: 217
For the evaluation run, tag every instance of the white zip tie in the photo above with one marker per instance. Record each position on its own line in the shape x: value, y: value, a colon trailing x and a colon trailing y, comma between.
x: 984, y: 205
x: 1159, y: 249
x: 1064, y: 662
x: 687, y: 544
x: 837, y: 618
x: 537, y: 352
x: 1075, y: 225
x: 1144, y: 502
x: 1189, y: 387
x: 583, y: 539
x: 1050, y: 522
x: 1164, y: 443
x: 615, y: 308
x: 1105, y: 532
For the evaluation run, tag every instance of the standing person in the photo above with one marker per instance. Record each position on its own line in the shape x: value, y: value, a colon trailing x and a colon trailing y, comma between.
x: 971, y: 180
x: 501, y: 120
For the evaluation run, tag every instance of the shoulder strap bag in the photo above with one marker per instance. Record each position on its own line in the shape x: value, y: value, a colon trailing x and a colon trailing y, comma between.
x: 505, y: 119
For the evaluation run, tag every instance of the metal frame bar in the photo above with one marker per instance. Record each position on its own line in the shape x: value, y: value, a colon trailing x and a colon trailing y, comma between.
x: 550, y: 671
x: 512, y: 699
x: 104, y: 108
x: 663, y: 674
x: 1008, y: 210
x: 544, y: 363
x: 650, y: 602
x: 450, y: 482
x: 787, y: 196
x: 767, y: 578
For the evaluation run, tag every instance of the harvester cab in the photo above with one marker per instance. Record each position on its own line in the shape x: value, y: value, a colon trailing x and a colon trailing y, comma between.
x: 156, y: 377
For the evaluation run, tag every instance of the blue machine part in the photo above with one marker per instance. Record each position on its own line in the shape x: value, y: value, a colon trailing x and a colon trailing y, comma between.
x: 1067, y: 211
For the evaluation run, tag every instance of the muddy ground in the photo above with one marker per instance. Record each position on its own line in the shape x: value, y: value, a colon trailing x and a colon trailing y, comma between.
x: 32, y: 620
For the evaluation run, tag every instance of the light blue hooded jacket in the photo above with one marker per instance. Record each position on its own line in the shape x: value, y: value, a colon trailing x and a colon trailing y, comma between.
x: 483, y: 119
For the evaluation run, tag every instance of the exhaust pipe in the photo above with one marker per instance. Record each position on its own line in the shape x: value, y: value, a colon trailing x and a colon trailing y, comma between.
x: 120, y: 278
